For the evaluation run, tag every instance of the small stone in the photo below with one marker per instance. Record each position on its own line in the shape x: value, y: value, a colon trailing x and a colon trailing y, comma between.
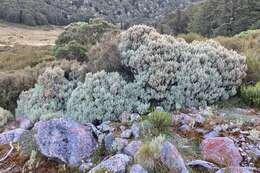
x: 138, y: 169
x: 203, y: 166
x: 214, y: 133
x: 119, y: 144
x: 94, y: 129
x: 182, y: 119
x: 126, y: 134
x: 132, y: 148
x: 254, y: 152
x: 24, y: 123
x: 109, y: 140
x: 136, y: 130
x: 237, y: 170
x: 135, y: 118
x: 201, y: 131
x: 126, y: 117
x: 86, y: 166
x: 11, y: 136
x: 159, y: 109
x: 208, y: 112
x: 185, y: 128
x: 245, y: 132
x: 116, y: 164
x: 221, y: 150
x: 101, y: 138
x: 122, y: 128
x: 105, y: 127
x: 199, y: 120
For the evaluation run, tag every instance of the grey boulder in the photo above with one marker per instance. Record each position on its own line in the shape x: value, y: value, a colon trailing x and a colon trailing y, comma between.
x: 65, y: 140
x: 11, y: 136
x: 203, y: 166
x: 132, y: 148
x: 172, y: 158
x: 136, y: 130
x: 126, y: 134
x: 108, y: 141
x: 116, y: 164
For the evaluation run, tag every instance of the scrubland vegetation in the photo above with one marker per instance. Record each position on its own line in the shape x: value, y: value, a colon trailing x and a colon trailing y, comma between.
x: 137, y: 98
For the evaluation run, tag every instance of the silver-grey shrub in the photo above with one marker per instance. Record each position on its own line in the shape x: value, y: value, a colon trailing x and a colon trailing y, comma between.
x: 49, y: 96
x: 104, y: 96
x: 177, y: 74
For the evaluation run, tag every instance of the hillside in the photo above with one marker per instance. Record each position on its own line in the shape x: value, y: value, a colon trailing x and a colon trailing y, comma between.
x: 211, y: 18
x: 62, y: 12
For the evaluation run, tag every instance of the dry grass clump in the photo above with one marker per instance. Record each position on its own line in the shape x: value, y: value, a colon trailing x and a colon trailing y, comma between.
x: 149, y: 155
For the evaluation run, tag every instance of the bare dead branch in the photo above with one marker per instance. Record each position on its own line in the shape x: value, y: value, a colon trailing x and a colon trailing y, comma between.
x: 9, y: 152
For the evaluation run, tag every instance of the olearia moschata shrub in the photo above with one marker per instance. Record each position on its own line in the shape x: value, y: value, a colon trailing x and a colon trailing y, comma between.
x: 49, y: 96
x: 177, y: 74
x: 104, y: 96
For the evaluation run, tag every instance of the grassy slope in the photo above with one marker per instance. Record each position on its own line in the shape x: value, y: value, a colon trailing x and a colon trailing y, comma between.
x: 22, y: 46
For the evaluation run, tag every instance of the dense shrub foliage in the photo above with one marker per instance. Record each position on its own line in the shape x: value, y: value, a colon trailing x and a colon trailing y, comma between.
x: 12, y: 84
x: 105, y: 55
x: 77, y: 38
x: 251, y: 94
x: 246, y: 43
x: 5, y: 116
x: 104, y: 96
x: 155, y: 69
x: 49, y: 95
x: 177, y: 74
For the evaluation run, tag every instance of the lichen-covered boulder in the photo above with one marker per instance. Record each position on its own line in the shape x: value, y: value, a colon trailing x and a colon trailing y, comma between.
x: 221, y: 150
x: 132, y: 148
x: 65, y: 140
x: 11, y: 136
x: 172, y: 158
x: 116, y: 164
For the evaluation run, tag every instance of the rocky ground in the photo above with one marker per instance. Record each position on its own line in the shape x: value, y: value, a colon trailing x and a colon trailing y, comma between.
x: 207, y: 140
